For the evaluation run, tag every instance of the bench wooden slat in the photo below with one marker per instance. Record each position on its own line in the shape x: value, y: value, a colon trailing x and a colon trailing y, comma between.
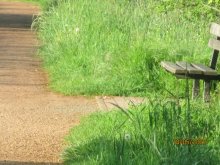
x: 215, y: 29
x: 198, y: 71
x: 189, y: 67
x: 173, y: 68
x: 215, y: 44
x: 198, y: 76
x: 206, y: 70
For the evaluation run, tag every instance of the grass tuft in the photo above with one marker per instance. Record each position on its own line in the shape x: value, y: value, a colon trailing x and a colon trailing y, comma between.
x: 147, y: 134
x: 110, y: 47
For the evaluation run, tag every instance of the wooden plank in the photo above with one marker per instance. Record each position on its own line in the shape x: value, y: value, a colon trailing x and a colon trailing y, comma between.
x: 215, y: 29
x: 189, y: 67
x: 214, y: 59
x: 173, y: 68
x: 198, y: 76
x: 206, y: 70
x: 215, y: 44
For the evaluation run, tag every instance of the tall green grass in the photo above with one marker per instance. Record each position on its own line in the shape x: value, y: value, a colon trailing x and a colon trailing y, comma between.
x: 158, y: 132
x: 147, y: 135
x: 42, y: 3
x: 113, y: 47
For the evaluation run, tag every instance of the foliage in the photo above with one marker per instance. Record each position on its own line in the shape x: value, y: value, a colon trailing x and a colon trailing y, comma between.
x: 39, y: 2
x: 160, y: 131
x: 147, y: 135
x: 115, y: 47
x: 194, y: 8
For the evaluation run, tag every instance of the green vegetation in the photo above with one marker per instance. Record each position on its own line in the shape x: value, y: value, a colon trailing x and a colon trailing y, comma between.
x: 40, y: 2
x: 110, y: 47
x: 147, y: 135
x: 44, y: 4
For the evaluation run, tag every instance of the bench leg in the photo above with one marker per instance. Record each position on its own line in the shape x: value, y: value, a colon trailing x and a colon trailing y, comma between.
x: 214, y: 85
x: 207, y: 88
x: 196, y: 89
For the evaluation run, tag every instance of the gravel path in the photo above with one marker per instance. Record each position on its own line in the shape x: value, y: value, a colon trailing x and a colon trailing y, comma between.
x: 33, y: 120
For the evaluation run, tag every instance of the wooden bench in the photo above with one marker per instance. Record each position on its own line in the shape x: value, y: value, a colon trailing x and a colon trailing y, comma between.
x: 198, y: 71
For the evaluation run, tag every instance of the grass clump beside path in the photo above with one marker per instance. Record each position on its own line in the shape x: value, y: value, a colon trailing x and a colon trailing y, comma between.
x: 110, y: 47
x: 154, y: 134
x: 44, y: 4
x: 40, y: 2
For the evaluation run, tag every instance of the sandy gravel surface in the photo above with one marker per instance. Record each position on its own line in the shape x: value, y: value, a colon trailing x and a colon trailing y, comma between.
x: 33, y: 120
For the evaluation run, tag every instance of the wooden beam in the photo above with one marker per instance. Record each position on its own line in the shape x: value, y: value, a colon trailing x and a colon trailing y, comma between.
x: 214, y: 57
x: 215, y: 44
x: 189, y: 67
x: 173, y: 68
x: 215, y: 29
x: 206, y: 70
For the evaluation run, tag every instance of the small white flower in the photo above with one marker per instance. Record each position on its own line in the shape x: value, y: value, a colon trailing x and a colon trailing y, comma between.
x: 77, y: 30
x: 127, y: 136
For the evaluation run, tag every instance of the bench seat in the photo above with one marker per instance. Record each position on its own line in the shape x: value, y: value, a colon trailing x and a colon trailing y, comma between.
x: 183, y: 69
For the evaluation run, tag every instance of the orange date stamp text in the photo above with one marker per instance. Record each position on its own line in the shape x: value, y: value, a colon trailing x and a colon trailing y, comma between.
x: 190, y: 141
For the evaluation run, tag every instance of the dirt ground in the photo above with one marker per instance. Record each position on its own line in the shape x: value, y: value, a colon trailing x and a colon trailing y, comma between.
x: 33, y: 120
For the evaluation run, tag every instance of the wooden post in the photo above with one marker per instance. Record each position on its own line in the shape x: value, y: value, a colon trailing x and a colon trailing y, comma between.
x: 213, y: 64
x: 196, y: 88
x: 207, y: 87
